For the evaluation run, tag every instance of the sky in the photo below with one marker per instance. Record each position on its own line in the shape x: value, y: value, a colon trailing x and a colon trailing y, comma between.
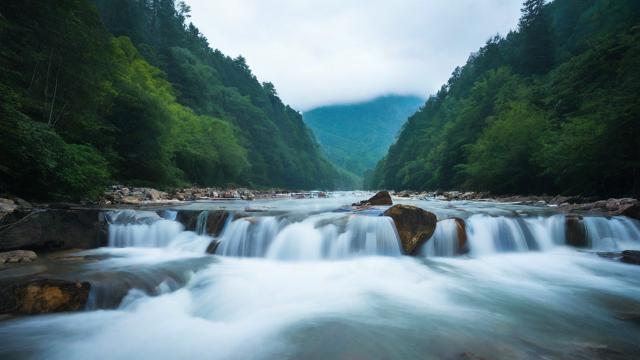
x: 322, y: 52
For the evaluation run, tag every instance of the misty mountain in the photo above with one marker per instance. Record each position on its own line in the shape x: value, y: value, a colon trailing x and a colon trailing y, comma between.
x: 355, y: 136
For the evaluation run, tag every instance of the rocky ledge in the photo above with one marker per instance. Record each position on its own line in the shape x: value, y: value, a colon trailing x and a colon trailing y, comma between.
x: 42, y: 296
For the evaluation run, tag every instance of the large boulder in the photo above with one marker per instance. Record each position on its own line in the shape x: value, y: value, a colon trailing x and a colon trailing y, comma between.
x: 414, y: 225
x: 631, y: 210
x: 43, y: 296
x: 55, y: 230
x: 382, y: 198
x: 575, y: 231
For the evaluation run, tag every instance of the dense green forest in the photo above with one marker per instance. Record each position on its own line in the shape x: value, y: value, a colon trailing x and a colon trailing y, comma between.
x: 553, y: 107
x: 355, y: 136
x: 125, y: 90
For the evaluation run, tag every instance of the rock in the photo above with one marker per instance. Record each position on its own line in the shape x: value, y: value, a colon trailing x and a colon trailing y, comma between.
x: 631, y: 257
x: 215, y: 220
x: 55, y: 230
x: 43, y: 296
x: 211, y: 249
x: 17, y: 256
x: 462, y: 235
x: 631, y: 210
x: 380, y: 199
x: 575, y: 232
x: 414, y: 225
x: 7, y: 206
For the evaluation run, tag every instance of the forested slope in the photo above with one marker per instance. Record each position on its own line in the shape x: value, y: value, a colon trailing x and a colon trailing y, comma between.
x: 142, y: 100
x: 355, y: 136
x: 551, y: 108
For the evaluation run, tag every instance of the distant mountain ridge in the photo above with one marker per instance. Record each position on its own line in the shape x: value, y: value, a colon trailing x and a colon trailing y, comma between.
x: 355, y: 136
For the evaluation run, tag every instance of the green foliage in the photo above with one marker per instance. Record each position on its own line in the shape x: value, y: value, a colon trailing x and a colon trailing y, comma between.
x: 153, y: 106
x: 506, y: 126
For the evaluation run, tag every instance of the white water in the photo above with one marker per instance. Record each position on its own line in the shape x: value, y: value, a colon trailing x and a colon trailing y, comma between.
x: 445, y: 240
x: 127, y: 231
x: 327, y: 236
x: 617, y: 233
x: 519, y: 294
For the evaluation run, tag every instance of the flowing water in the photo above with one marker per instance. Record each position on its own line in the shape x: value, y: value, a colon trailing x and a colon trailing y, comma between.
x: 310, y: 279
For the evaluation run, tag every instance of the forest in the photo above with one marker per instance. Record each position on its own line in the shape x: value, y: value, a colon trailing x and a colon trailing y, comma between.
x: 129, y: 91
x: 551, y: 108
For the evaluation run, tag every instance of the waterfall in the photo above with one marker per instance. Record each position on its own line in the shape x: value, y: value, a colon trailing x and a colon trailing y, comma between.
x: 616, y: 233
x: 129, y: 228
x: 444, y: 241
x: 201, y: 223
x: 488, y: 234
x: 314, y: 238
x: 248, y: 237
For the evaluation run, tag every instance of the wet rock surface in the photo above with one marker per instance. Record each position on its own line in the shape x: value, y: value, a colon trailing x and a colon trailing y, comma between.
x: 575, y: 232
x: 43, y: 296
x: 415, y: 226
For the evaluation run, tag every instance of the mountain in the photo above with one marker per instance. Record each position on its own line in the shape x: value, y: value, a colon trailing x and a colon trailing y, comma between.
x: 356, y: 136
x: 96, y: 92
x: 551, y: 108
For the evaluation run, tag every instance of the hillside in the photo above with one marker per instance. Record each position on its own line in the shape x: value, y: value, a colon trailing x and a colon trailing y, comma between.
x: 550, y: 108
x: 93, y: 93
x: 356, y: 136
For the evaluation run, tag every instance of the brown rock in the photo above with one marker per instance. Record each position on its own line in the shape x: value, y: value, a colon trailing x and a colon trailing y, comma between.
x: 43, y: 296
x: 380, y: 199
x: 575, y: 231
x: 414, y: 225
x: 461, y: 228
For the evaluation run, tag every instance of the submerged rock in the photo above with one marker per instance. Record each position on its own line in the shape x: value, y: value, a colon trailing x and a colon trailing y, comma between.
x: 17, y: 256
x: 380, y: 199
x: 415, y: 226
x: 43, y: 296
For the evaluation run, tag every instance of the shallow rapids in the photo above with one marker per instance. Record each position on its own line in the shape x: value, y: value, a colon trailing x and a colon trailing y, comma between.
x: 333, y: 284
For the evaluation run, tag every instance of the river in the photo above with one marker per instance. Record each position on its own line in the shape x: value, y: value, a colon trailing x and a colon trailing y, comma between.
x: 313, y: 279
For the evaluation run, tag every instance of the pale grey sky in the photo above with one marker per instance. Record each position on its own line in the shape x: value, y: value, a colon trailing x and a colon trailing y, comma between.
x: 335, y: 51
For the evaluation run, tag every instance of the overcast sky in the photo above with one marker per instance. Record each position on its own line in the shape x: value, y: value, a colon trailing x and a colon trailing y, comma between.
x: 320, y: 52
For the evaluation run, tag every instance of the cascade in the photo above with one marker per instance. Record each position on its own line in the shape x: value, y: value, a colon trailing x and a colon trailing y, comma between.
x: 615, y: 233
x: 130, y: 228
x: 444, y: 241
x: 201, y: 223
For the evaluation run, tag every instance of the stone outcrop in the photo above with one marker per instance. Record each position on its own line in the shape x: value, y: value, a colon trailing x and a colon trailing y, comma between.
x: 55, y: 230
x: 382, y: 198
x: 43, y: 296
x: 17, y: 256
x: 215, y: 220
x: 414, y: 225
x: 575, y: 231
